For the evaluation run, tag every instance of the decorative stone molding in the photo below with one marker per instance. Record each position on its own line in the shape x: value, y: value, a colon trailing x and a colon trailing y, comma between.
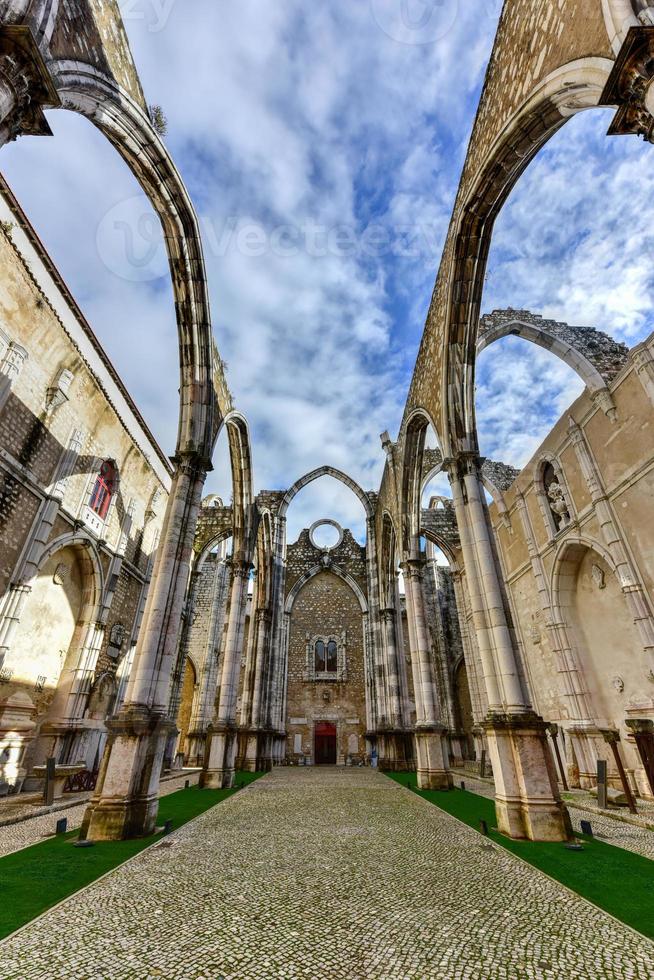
x: 57, y: 394
x: 25, y: 85
x: 629, y: 86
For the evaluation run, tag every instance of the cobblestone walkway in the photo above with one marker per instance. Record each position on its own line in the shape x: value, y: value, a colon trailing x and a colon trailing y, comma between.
x: 15, y: 836
x: 325, y: 874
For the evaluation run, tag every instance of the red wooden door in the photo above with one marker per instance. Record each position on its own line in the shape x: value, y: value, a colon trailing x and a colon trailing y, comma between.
x: 325, y: 743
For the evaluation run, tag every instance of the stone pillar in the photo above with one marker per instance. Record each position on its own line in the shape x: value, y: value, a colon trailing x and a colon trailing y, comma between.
x: 527, y: 800
x: 431, y: 746
x: 376, y: 708
x: 254, y: 751
x: 390, y: 658
x: 125, y: 801
x: 218, y: 772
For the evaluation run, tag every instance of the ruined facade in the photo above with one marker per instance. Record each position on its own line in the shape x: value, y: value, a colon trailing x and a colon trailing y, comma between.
x: 253, y: 651
x: 82, y: 497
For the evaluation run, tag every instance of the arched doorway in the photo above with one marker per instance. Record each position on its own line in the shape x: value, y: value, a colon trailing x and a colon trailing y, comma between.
x: 324, y: 743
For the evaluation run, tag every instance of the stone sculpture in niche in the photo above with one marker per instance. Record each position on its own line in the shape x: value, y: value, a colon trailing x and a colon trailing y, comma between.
x: 558, y: 505
x: 598, y: 576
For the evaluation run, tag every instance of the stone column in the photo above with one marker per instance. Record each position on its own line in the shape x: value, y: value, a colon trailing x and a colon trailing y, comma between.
x: 393, y: 681
x: 218, y: 772
x: 126, y: 801
x: 375, y: 711
x: 262, y: 622
x: 527, y: 799
x: 203, y: 704
x: 431, y: 746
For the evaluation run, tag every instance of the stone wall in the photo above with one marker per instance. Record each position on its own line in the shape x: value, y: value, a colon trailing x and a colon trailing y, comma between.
x: 72, y: 583
x: 326, y: 606
x: 581, y: 576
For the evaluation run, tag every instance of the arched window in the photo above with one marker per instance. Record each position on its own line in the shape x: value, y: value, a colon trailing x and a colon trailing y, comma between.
x: 104, y: 489
x: 325, y: 658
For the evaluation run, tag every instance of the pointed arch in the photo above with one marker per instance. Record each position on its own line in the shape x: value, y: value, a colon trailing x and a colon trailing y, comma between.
x: 456, y: 302
x: 388, y: 561
x: 204, y: 399
x: 316, y: 475
x: 244, y: 519
x: 315, y: 570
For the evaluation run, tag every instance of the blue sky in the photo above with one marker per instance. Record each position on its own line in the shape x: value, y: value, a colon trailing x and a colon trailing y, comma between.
x: 322, y: 146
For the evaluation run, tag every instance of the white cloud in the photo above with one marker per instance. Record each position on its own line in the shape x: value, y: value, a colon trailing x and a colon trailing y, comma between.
x: 312, y: 119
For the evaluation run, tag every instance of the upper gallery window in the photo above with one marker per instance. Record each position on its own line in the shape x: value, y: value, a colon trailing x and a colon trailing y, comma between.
x: 103, y: 489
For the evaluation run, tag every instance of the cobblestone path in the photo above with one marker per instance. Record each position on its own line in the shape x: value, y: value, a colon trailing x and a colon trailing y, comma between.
x: 325, y: 874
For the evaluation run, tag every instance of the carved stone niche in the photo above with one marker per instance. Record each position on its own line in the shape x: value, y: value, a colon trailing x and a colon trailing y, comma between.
x: 556, y: 498
x: 630, y: 87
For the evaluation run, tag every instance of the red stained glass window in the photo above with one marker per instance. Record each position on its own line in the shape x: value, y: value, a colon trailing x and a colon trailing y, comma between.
x: 103, y: 489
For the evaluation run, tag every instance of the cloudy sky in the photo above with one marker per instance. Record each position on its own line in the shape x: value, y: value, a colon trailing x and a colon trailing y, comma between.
x: 322, y: 145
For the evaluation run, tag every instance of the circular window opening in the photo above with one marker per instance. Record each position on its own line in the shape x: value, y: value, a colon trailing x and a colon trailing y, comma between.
x: 325, y: 535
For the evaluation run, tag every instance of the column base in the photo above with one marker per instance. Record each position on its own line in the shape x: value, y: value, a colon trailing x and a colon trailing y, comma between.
x: 126, y: 799
x: 219, y: 768
x: 432, y: 770
x: 527, y: 801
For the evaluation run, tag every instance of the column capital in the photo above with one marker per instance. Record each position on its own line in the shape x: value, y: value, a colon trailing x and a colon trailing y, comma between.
x: 630, y: 87
x: 413, y: 567
x: 462, y: 464
x: 241, y: 568
x: 25, y: 85
x: 192, y: 464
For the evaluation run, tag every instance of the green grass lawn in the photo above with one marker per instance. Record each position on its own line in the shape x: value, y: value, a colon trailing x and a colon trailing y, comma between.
x: 36, y: 878
x: 616, y: 880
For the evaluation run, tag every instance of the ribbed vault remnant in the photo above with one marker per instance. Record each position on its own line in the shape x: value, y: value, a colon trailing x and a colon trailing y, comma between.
x: 213, y: 522
x: 501, y: 475
x: 438, y: 523
x: 604, y: 353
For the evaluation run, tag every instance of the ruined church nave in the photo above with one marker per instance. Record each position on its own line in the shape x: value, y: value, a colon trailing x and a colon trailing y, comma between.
x: 250, y: 730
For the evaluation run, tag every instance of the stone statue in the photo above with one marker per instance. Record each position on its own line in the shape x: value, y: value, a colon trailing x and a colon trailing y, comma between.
x: 558, y: 506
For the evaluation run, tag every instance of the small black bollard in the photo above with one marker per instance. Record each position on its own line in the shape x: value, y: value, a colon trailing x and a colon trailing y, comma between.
x: 463, y: 785
x: 61, y: 825
x: 187, y: 783
x: 483, y: 827
x: 168, y: 826
x: 586, y: 828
